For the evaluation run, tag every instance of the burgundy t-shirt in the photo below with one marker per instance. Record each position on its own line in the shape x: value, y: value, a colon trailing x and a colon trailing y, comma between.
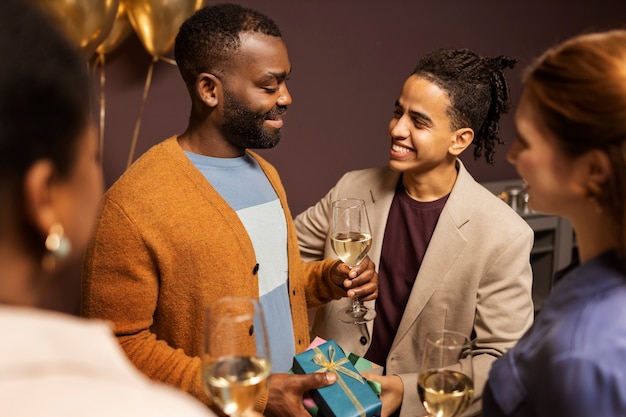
x: 410, y: 226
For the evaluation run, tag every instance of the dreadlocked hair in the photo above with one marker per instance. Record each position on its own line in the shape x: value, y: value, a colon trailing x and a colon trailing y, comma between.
x: 477, y: 90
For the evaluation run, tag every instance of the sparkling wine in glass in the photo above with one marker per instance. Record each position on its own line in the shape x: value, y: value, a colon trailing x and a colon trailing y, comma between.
x: 445, y: 383
x: 351, y: 239
x: 235, y: 358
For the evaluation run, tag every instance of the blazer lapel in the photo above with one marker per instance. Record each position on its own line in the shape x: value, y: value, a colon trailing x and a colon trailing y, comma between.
x: 378, y: 210
x: 378, y: 204
x: 446, y: 245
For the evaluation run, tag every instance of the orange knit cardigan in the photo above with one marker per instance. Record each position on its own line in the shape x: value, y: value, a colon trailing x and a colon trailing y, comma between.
x: 165, y: 245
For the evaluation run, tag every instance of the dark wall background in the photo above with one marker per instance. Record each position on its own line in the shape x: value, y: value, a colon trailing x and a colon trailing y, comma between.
x: 349, y: 58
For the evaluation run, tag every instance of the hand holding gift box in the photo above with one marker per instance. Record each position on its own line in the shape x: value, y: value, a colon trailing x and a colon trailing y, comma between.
x: 366, y: 367
x: 350, y: 395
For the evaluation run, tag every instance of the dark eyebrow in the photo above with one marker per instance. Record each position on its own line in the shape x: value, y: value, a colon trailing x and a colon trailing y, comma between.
x: 422, y: 117
x: 278, y: 76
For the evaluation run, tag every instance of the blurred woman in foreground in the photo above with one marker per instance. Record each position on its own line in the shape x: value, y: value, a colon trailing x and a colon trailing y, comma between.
x: 571, y: 151
x: 53, y: 364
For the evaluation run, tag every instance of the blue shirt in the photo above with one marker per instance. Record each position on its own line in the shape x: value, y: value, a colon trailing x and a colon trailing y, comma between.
x: 572, y: 361
x: 245, y: 187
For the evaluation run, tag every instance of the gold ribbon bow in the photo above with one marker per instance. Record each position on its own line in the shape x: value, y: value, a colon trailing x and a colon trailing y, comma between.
x: 330, y: 365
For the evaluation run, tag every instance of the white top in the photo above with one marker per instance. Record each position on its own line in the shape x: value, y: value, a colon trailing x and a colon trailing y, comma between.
x: 53, y: 364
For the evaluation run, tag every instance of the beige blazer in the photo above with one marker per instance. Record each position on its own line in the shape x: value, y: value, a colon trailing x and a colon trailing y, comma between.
x: 475, y: 277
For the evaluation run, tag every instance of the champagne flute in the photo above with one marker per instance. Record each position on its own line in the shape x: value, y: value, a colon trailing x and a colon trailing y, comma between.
x: 235, y: 356
x: 351, y: 239
x: 445, y: 383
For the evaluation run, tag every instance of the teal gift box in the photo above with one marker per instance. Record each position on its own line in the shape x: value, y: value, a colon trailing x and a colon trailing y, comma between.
x: 350, y: 396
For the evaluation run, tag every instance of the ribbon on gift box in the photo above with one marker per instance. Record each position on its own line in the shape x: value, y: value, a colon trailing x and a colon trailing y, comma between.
x: 330, y: 365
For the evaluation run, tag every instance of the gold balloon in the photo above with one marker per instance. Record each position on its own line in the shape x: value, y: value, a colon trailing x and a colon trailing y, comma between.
x: 118, y: 34
x: 85, y: 22
x: 156, y: 22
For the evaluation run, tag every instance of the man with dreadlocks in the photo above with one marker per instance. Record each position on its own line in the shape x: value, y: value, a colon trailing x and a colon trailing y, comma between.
x: 450, y: 254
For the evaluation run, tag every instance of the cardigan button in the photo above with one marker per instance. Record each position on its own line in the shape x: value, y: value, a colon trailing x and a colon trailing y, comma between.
x: 255, y: 269
x: 363, y: 340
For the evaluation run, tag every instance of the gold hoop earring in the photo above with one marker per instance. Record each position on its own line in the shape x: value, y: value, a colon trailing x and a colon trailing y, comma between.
x: 58, y: 247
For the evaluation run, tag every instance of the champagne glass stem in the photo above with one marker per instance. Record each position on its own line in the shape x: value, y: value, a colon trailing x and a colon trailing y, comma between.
x: 357, y: 306
x: 360, y: 314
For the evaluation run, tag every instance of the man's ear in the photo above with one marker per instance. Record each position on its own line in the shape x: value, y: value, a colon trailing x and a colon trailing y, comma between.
x: 38, y: 195
x: 461, y: 140
x: 207, y: 89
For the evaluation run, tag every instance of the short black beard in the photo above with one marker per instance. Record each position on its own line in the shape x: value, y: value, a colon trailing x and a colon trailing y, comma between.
x: 243, y: 128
